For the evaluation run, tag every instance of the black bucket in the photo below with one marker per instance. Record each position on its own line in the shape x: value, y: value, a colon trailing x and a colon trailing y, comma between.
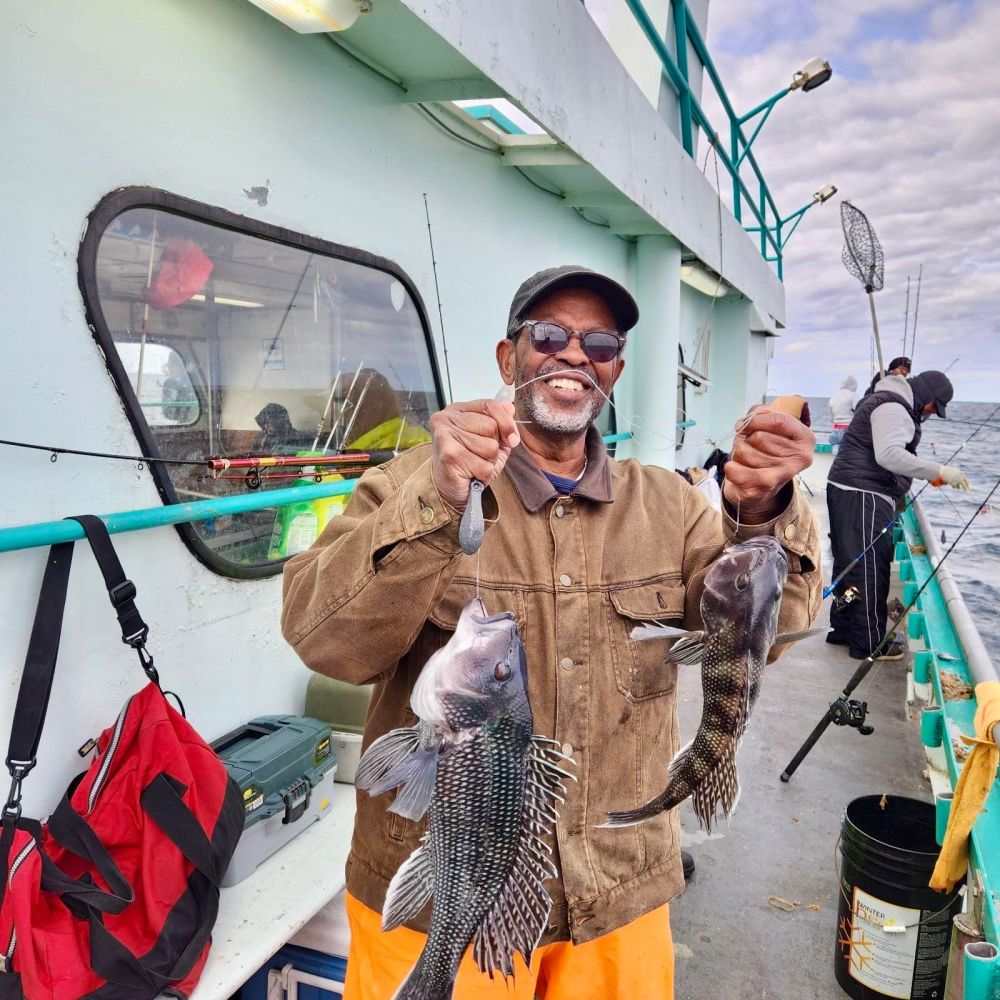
x: 888, y: 851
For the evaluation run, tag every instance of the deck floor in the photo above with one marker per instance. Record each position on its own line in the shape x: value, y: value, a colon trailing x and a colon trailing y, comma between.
x: 729, y: 941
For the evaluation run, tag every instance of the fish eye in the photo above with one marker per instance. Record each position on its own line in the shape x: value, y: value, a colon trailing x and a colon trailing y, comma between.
x: 742, y: 580
x: 502, y: 670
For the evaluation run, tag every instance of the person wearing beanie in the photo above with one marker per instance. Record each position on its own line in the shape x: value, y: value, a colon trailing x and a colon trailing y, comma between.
x: 874, y: 467
x: 898, y: 366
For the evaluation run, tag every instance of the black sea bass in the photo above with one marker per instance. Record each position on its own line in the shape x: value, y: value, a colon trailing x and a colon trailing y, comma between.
x: 739, y: 609
x: 489, y: 787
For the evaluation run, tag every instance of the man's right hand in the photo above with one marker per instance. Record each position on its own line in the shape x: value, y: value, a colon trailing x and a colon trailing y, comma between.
x: 471, y: 441
x: 954, y: 477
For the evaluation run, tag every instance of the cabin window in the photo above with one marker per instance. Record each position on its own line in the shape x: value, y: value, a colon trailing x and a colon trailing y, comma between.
x: 230, y: 339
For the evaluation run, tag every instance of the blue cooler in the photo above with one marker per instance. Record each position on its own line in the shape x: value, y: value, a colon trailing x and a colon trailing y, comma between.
x: 302, y: 960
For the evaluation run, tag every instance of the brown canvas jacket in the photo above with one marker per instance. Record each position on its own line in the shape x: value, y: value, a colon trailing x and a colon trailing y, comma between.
x: 383, y: 588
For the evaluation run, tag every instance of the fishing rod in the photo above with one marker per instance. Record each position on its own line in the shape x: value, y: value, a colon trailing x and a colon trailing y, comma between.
x: 437, y: 293
x: 828, y: 590
x: 845, y: 711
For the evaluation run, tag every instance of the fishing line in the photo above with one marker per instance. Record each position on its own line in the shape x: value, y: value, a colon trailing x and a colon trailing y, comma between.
x: 891, y: 633
x: 827, y: 591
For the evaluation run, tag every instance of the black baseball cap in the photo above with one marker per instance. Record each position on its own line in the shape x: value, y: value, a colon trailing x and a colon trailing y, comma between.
x: 545, y: 282
x: 898, y: 363
x: 940, y: 387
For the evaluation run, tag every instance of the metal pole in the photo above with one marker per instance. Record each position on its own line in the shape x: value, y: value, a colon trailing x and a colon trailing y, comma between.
x: 906, y: 315
x: 681, y: 38
x: 916, y: 313
x: 878, y: 342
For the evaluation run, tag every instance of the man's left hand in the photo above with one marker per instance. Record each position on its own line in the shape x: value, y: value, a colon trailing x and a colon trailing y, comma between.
x: 769, y: 451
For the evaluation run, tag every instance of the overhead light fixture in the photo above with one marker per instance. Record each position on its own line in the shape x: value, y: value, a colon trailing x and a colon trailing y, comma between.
x: 221, y: 300
x: 703, y: 281
x: 309, y: 17
x: 825, y: 193
x: 814, y: 74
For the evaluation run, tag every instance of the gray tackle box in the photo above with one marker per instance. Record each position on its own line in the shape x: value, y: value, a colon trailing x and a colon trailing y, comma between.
x: 284, y: 766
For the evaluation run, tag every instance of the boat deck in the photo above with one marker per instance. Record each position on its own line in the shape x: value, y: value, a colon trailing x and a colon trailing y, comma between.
x: 729, y: 940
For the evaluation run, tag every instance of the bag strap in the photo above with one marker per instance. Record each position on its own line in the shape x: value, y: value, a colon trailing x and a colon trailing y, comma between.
x: 43, y: 647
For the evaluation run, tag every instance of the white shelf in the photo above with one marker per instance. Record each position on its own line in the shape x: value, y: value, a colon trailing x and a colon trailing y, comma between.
x: 260, y: 914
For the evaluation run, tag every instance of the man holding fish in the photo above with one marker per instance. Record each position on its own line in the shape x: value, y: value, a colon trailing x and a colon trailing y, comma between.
x: 579, y: 552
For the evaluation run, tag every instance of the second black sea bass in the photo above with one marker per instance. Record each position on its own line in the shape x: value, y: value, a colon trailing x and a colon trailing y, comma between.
x: 489, y: 786
x: 739, y: 610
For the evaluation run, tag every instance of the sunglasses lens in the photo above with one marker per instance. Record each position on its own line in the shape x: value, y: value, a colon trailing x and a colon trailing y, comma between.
x: 548, y: 338
x: 600, y: 346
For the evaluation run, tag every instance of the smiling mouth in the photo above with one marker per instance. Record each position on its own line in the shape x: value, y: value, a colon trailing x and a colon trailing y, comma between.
x: 566, y: 384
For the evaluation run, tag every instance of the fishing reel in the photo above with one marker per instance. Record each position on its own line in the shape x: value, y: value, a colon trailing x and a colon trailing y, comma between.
x: 840, y: 601
x: 853, y: 713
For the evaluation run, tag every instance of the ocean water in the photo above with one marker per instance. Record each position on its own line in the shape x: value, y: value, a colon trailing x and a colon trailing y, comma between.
x: 975, y: 561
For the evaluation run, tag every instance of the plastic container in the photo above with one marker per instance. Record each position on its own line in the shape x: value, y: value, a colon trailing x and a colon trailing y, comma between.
x: 344, y: 706
x: 284, y: 969
x: 298, y: 525
x: 893, y: 937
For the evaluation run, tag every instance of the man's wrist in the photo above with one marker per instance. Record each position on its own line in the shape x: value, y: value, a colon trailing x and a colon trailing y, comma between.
x: 759, y: 511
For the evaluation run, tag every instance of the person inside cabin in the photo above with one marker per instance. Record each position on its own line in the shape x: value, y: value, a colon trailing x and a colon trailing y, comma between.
x: 372, y: 417
x: 875, y: 464
x: 898, y: 366
x: 581, y: 548
x: 277, y: 434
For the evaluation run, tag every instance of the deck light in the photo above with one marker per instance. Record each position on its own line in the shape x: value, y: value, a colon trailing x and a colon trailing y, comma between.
x: 814, y: 74
x: 312, y: 16
x: 702, y: 280
x: 825, y: 193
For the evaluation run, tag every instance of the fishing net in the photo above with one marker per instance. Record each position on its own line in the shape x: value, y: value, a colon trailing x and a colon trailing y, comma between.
x: 862, y: 254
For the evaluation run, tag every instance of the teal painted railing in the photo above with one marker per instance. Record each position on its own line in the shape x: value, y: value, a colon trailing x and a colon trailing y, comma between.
x: 28, y: 536
x: 486, y: 112
x: 933, y: 622
x: 770, y: 224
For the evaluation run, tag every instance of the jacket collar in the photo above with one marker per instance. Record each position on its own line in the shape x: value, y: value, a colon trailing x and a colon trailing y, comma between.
x: 535, y: 490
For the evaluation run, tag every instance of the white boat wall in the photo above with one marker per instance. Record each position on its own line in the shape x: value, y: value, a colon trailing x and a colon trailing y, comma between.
x: 307, y: 167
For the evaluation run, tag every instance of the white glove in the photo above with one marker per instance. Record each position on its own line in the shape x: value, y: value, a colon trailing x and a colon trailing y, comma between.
x: 954, y: 477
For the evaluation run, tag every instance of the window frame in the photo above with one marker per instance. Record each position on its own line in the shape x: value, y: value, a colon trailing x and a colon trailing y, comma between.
x: 123, y: 199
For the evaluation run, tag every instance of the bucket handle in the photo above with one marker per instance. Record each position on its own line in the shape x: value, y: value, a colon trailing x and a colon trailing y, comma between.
x: 905, y: 927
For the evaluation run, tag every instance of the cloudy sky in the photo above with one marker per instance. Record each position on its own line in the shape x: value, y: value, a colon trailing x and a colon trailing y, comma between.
x: 909, y: 131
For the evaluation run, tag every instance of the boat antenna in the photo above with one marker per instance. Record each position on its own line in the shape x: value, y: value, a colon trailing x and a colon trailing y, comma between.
x: 827, y: 591
x: 916, y: 313
x: 437, y: 293
x: 845, y: 711
x: 863, y: 257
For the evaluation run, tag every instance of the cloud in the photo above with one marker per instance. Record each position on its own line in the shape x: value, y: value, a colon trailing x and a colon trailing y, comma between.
x: 909, y: 132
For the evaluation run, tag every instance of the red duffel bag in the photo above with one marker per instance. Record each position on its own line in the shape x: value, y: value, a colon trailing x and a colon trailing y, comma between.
x: 115, y: 895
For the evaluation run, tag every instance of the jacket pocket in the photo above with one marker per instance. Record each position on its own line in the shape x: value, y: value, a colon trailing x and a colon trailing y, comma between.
x: 496, y: 599
x: 641, y: 668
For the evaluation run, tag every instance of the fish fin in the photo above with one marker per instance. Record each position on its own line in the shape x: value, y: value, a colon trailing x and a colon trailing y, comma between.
x: 520, y: 911
x: 417, y: 775
x: 688, y: 650
x: 720, y: 790
x: 654, y: 630
x: 383, y: 757
x: 631, y: 817
x: 410, y: 888
x: 801, y: 634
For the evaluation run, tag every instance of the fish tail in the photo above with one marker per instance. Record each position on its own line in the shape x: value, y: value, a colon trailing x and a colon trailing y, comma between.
x: 418, y: 985
x: 665, y: 800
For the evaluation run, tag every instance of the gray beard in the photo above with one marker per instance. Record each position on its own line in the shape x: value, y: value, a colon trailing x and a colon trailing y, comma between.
x: 549, y: 418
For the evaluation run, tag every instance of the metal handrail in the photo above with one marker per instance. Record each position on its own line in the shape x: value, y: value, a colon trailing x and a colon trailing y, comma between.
x: 685, y: 29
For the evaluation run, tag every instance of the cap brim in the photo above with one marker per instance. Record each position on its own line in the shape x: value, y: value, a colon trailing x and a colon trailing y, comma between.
x: 617, y: 296
x: 941, y: 407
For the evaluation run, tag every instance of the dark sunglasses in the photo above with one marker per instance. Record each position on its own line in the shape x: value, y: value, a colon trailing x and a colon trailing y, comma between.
x: 551, y: 338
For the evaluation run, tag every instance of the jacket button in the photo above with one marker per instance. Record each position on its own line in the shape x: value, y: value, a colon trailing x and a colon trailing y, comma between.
x: 567, y: 749
x: 560, y: 511
x: 565, y: 580
x: 789, y: 531
x: 567, y: 663
x: 426, y: 515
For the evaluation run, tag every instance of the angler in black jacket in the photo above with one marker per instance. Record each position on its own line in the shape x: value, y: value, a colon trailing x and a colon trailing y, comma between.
x: 873, y: 469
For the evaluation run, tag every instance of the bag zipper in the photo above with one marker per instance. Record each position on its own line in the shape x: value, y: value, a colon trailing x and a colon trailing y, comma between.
x: 109, y: 754
x: 8, y: 956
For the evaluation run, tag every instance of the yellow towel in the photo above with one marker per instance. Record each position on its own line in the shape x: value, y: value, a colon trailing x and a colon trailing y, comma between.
x: 974, y: 783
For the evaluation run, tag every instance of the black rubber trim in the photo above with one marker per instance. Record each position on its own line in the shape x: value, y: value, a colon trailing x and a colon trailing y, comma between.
x: 106, y: 211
